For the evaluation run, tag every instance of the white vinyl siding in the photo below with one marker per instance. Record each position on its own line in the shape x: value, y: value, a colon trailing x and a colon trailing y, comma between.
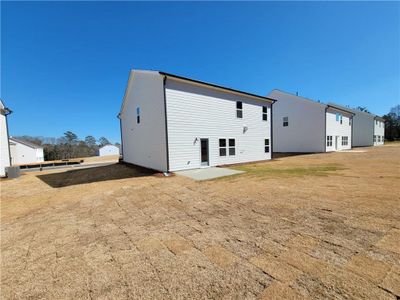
x: 338, y: 126
x: 379, y: 132
x: 306, y: 124
x: 143, y: 121
x: 195, y: 112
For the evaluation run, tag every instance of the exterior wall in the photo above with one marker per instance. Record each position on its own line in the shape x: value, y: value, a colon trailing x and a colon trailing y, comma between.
x: 337, y: 130
x: 195, y: 112
x: 4, y: 150
x: 144, y: 144
x: 363, y: 129
x: 108, y: 150
x: 379, y: 130
x: 22, y: 154
x: 306, y: 130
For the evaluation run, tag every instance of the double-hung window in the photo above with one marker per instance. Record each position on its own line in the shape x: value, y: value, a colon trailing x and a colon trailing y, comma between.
x: 138, y: 115
x: 266, y: 146
x: 239, y: 109
x: 265, y: 113
x: 329, y: 141
x: 232, y: 150
x: 345, y: 140
x: 285, y: 121
x: 222, y: 147
x: 374, y: 138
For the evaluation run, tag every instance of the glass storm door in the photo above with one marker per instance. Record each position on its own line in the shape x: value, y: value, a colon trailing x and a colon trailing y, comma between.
x: 204, y: 152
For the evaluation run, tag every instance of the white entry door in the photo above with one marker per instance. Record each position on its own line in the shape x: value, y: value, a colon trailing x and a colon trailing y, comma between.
x: 336, y: 142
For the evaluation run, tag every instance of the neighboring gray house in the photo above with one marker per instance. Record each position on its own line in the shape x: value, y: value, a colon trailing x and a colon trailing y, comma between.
x: 368, y: 129
x: 304, y: 125
x: 171, y: 123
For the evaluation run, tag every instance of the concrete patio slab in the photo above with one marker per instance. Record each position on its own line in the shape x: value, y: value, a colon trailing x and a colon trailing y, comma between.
x: 208, y: 173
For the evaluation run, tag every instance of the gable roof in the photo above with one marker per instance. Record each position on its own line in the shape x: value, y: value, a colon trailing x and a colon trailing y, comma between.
x: 309, y: 100
x: 28, y: 144
x: 219, y: 87
x: 3, y: 109
x: 356, y: 111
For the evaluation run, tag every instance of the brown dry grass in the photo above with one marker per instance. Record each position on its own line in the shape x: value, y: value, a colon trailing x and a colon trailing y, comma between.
x: 313, y: 226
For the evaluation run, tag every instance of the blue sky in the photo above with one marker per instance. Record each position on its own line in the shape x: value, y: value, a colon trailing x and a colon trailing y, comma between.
x: 64, y: 66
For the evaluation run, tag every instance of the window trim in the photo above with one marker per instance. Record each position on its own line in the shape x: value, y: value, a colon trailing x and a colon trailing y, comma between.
x: 265, y: 113
x: 266, y: 146
x: 329, y: 140
x: 285, y: 122
x: 223, y: 148
x: 231, y: 147
x: 239, y: 111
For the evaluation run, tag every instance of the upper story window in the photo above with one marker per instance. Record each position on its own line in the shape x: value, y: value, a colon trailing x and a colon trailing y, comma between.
x: 239, y: 109
x: 376, y: 122
x: 265, y: 113
x: 350, y: 119
x: 339, y: 118
x: 138, y: 115
x: 285, y: 121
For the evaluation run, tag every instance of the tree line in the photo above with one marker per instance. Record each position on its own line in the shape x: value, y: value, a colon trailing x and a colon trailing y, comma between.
x: 68, y: 145
x: 392, y: 123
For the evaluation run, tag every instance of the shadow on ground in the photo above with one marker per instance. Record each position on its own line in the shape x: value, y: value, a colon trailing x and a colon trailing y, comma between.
x: 94, y: 174
x: 287, y: 154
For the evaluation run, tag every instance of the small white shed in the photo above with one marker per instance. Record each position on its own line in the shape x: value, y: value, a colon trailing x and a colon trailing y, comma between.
x: 4, y: 145
x: 23, y: 152
x: 109, y: 150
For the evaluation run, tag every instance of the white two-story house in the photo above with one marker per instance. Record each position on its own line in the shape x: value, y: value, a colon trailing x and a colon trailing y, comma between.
x: 170, y: 123
x: 304, y: 125
x: 379, y: 131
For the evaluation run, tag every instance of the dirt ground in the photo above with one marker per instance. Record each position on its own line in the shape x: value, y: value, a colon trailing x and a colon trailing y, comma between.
x: 322, y: 226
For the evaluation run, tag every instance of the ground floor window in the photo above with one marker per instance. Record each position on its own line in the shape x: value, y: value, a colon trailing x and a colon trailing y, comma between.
x: 232, y: 150
x: 345, y: 140
x: 222, y: 147
x: 379, y: 138
x: 266, y: 145
x: 374, y: 138
x: 329, y: 141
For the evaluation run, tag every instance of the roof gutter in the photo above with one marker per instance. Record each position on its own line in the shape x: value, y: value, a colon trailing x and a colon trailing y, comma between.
x: 341, y: 109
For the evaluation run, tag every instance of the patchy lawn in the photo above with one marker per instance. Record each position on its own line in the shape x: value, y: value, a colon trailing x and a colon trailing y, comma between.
x: 311, y: 226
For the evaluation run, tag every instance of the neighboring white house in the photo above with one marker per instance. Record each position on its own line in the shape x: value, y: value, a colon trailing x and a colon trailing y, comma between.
x: 171, y: 123
x: 109, y: 150
x: 304, y: 125
x: 379, y: 131
x: 368, y: 129
x: 4, y: 145
x: 23, y: 152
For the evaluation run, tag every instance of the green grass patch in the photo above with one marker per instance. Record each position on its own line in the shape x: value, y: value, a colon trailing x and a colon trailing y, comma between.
x: 264, y: 170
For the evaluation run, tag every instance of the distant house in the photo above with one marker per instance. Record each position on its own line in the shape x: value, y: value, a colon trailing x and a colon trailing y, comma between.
x: 305, y: 125
x: 171, y: 123
x: 5, y: 160
x: 23, y: 152
x: 108, y: 150
x: 368, y: 129
x: 379, y: 131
